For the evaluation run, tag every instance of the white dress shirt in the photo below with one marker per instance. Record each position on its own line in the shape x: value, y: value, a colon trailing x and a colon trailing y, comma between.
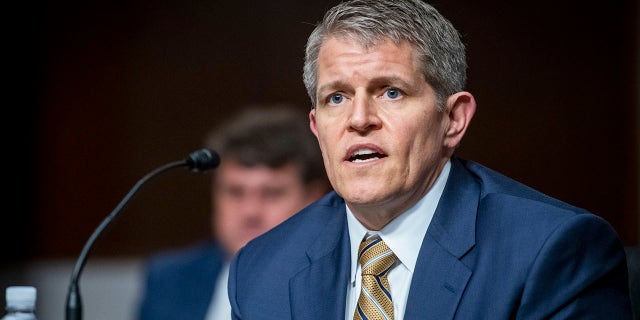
x: 220, y: 308
x: 404, y: 237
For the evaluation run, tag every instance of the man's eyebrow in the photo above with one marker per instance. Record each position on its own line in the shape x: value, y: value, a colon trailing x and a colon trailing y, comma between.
x: 379, y: 81
x: 331, y: 85
x: 391, y: 80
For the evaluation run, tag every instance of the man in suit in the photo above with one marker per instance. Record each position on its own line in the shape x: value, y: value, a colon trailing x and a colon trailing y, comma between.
x: 442, y: 237
x: 271, y: 167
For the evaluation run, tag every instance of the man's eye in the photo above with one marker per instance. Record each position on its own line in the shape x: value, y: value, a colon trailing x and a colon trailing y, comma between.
x: 336, y: 98
x: 393, y: 93
x: 235, y: 193
x: 273, y: 193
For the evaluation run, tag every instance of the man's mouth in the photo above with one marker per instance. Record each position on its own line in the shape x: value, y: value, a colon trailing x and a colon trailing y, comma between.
x: 365, y: 155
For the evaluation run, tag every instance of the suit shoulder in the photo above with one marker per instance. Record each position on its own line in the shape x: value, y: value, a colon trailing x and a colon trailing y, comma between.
x: 292, y: 237
x: 497, y: 187
x: 506, y: 202
x: 308, y: 222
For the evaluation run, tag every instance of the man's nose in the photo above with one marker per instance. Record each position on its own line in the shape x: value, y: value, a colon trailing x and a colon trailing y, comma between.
x: 364, y: 114
x: 250, y: 206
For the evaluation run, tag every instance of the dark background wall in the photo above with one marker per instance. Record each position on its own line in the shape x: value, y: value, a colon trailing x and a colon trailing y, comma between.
x: 102, y: 93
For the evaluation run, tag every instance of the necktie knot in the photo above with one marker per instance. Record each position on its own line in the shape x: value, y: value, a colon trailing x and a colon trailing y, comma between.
x: 375, y: 256
x: 376, y: 259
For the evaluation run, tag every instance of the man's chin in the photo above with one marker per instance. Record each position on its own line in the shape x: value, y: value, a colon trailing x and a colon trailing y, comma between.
x: 365, y: 199
x: 249, y: 235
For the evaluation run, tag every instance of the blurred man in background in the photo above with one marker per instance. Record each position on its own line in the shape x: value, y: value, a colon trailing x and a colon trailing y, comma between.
x: 271, y: 168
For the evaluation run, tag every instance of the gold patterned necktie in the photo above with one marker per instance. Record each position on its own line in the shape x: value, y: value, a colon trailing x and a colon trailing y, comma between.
x: 376, y: 260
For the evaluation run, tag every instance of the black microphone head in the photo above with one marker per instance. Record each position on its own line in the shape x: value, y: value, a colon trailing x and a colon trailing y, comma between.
x: 203, y: 160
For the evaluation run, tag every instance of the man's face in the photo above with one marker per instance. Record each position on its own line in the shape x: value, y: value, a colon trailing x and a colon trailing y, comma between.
x: 378, y: 127
x: 248, y: 201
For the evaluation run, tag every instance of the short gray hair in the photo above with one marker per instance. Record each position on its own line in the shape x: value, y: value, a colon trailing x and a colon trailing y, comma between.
x: 437, y: 42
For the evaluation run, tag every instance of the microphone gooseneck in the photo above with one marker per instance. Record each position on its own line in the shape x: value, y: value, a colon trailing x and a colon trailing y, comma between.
x: 198, y: 161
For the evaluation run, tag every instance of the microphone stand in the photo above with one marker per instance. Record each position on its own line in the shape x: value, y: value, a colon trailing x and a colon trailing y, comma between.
x: 200, y: 160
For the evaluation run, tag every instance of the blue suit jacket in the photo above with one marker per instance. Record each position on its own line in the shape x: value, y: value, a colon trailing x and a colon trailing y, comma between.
x: 495, y: 249
x: 179, y: 284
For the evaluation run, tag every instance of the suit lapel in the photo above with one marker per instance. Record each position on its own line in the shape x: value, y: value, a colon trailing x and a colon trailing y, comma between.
x: 440, y: 276
x: 318, y: 291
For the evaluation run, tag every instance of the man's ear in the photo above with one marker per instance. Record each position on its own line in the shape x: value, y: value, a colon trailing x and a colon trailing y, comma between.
x: 460, y: 108
x: 312, y: 122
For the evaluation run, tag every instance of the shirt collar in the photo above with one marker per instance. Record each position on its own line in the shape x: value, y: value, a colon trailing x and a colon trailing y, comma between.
x: 401, y: 233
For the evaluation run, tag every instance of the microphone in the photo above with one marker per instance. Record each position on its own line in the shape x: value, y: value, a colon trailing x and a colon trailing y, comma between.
x: 197, y: 161
x: 203, y: 160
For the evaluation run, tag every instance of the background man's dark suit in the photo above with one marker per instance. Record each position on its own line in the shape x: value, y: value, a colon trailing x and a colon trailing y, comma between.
x: 180, y: 284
